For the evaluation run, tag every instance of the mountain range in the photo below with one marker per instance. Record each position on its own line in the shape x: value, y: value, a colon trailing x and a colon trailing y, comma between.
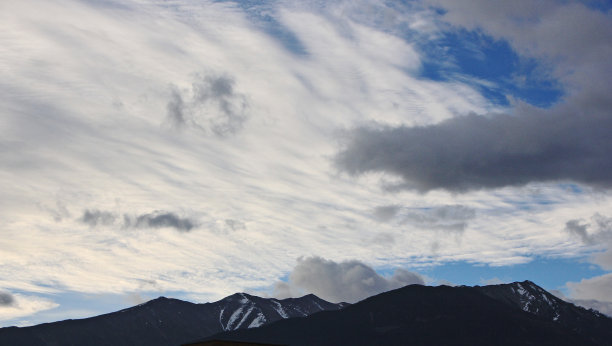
x: 520, y: 313
x: 165, y: 321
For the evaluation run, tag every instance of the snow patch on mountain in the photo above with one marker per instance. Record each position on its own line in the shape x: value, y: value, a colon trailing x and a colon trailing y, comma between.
x: 258, y: 321
x: 221, y: 319
x: 279, y: 308
x: 244, y: 299
x: 233, y: 318
x: 244, y: 317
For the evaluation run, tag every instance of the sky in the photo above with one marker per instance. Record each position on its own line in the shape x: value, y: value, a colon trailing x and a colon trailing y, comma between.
x: 194, y: 149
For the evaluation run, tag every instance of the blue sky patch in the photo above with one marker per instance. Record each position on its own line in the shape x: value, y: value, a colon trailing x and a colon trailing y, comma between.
x: 550, y: 273
x: 489, y: 65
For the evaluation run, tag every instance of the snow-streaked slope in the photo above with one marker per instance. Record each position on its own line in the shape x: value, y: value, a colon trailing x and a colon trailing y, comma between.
x: 535, y: 300
x: 242, y: 310
x: 513, y: 314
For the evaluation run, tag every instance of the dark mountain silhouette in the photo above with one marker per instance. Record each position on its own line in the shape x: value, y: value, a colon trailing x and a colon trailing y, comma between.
x: 165, y: 321
x: 532, y: 298
x: 520, y: 313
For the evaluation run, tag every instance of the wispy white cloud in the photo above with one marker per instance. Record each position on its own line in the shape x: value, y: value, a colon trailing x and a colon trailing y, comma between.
x: 88, y: 132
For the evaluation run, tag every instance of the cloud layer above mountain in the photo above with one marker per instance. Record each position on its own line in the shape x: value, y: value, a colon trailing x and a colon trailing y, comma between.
x: 347, y: 281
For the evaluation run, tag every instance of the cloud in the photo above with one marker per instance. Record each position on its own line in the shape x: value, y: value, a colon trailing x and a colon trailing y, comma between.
x: 603, y: 307
x: 569, y: 38
x: 135, y: 298
x: 235, y: 225
x: 492, y: 281
x: 594, y: 293
x: 481, y: 152
x: 6, y: 299
x: 18, y: 305
x: 87, y: 127
x: 385, y: 239
x: 282, y: 290
x: 59, y: 212
x: 597, y: 288
x: 386, y: 212
x: 157, y: 219
x: 85, y: 91
x: 96, y: 217
x: 575, y: 227
x: 160, y: 219
x: 596, y: 232
x: 348, y: 281
x: 447, y: 217
x: 563, y: 143
x: 212, y: 105
x: 443, y: 282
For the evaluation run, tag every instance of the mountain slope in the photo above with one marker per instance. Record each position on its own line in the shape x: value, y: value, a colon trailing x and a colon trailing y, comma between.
x: 531, y: 298
x: 422, y: 315
x: 165, y: 321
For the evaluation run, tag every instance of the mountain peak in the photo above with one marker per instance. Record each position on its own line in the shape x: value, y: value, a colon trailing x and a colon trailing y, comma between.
x: 311, y: 296
x: 241, y: 297
x: 529, y: 283
x: 161, y: 300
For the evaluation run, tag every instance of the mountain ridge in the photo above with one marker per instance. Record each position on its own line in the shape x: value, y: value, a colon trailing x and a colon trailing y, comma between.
x: 166, y: 321
x: 514, y: 313
x: 519, y: 313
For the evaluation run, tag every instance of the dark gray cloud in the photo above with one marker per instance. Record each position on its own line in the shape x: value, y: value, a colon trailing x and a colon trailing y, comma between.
x: 569, y: 141
x: 157, y: 219
x: 446, y: 217
x: 596, y: 231
x: 6, y: 299
x: 212, y: 105
x: 386, y: 212
x: 348, y: 281
x: 579, y: 228
x: 475, y: 152
x: 96, y: 217
x: 160, y: 220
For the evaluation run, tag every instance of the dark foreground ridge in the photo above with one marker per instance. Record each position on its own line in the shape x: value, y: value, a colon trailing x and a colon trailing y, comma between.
x: 164, y: 321
x: 520, y: 313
